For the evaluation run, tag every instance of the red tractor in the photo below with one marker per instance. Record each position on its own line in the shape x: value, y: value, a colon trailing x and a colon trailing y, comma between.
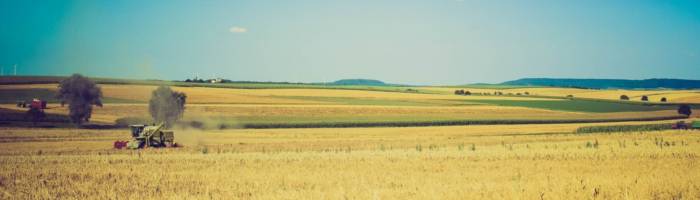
x: 34, y: 103
x: 38, y: 104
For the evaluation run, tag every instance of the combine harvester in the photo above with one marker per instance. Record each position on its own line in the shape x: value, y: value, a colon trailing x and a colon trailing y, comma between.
x: 144, y: 136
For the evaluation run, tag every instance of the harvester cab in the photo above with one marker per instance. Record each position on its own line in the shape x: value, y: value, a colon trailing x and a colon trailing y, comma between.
x: 136, y: 130
x: 144, y: 136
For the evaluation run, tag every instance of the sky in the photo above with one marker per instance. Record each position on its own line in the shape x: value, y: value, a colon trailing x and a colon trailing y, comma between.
x: 437, y: 42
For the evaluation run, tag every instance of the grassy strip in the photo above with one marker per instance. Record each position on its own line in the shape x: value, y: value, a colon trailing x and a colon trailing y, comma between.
x: 11, y: 96
x: 435, y: 123
x: 623, y: 128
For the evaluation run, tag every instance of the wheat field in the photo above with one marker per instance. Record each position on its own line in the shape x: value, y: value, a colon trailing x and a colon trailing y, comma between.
x: 497, y: 162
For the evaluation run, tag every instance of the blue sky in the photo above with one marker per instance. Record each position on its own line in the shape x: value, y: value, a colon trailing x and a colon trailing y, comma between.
x: 412, y: 42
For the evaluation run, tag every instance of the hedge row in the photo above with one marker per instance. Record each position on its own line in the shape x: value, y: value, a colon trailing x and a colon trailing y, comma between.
x: 623, y: 128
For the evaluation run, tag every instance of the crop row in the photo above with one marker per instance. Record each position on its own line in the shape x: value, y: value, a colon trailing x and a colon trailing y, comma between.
x: 437, y: 123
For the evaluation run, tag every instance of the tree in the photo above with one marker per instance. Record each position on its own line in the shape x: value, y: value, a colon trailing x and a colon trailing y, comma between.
x: 166, y: 105
x: 35, y: 114
x: 459, y: 92
x: 80, y: 93
x: 663, y: 99
x: 467, y: 93
x: 645, y: 98
x: 685, y: 109
x: 624, y: 97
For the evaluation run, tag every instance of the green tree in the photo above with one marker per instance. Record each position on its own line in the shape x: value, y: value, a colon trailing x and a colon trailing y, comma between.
x: 80, y: 93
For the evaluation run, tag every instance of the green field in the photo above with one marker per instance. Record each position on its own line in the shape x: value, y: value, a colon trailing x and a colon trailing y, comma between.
x: 577, y: 105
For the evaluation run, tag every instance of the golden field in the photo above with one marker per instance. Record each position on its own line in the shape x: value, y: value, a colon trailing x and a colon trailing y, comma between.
x: 263, y: 96
x: 495, y: 162
x: 257, y: 96
x: 544, y: 161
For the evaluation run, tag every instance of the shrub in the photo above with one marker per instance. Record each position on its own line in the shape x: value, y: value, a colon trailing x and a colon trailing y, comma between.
x: 166, y: 105
x: 663, y: 99
x: 624, y: 97
x: 685, y: 110
x: 645, y: 98
x: 35, y: 115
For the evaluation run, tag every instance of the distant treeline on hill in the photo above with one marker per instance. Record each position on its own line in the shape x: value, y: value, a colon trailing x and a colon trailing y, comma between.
x: 608, y: 83
x: 359, y: 82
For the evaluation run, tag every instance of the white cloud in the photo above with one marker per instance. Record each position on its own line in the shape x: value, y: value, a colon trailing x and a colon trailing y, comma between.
x: 237, y: 29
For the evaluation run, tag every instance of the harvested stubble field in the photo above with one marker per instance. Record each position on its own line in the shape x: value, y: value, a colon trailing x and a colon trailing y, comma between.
x: 498, y: 162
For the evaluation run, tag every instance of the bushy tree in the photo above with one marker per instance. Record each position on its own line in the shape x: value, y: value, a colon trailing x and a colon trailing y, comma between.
x: 645, y: 98
x: 685, y: 110
x: 624, y: 97
x: 80, y: 93
x: 167, y: 105
x: 663, y: 99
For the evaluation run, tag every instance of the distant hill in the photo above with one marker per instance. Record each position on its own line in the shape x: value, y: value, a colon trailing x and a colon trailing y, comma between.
x: 608, y: 83
x: 359, y: 82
